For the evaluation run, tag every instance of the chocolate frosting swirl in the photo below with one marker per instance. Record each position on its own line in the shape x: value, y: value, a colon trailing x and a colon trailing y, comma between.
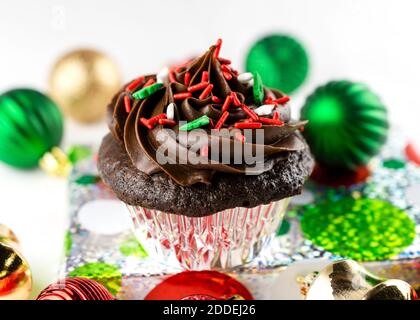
x: 142, y: 144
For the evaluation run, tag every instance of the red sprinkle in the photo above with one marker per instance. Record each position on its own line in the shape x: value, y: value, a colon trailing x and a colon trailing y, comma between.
x: 227, y: 75
x: 215, y: 99
x: 224, y: 61
x: 276, y: 115
x: 127, y: 104
x: 282, y: 100
x: 181, y: 96
x: 222, y: 120
x: 206, y: 92
x: 197, y: 87
x: 187, y: 78
x: 146, y: 123
x: 248, y: 125
x: 235, y: 99
x: 149, y: 82
x: 226, y: 104
x: 269, y: 100
x: 168, y: 122
x: 271, y: 121
x: 205, y: 76
x: 249, y: 112
x: 218, y: 46
x: 225, y: 68
x: 156, y: 119
x: 134, y: 84
x: 172, y: 77
x: 211, y: 123
x: 239, y: 136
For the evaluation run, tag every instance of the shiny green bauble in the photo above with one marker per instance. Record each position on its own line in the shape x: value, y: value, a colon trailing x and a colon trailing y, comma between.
x: 348, y: 124
x: 281, y: 61
x: 30, y: 125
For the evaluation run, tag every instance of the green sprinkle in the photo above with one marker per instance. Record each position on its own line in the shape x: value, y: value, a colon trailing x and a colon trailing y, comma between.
x: 361, y: 229
x: 197, y: 123
x: 107, y: 274
x: 148, y: 91
x: 394, y: 164
x: 88, y: 179
x: 258, y: 88
x: 131, y: 247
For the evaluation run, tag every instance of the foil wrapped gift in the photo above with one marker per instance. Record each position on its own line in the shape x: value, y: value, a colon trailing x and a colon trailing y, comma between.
x: 376, y: 222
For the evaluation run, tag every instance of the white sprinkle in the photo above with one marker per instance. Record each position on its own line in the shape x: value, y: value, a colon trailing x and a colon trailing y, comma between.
x: 264, y: 110
x: 170, y: 111
x: 246, y: 78
x: 163, y: 75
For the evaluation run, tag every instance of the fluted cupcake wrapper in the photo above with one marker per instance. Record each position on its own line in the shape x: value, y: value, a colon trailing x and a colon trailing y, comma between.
x: 226, y: 239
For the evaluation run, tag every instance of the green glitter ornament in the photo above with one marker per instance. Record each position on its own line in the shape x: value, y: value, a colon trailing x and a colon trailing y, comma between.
x: 347, y: 126
x: 106, y: 274
x: 30, y: 125
x: 131, y: 247
x: 361, y: 229
x: 281, y: 61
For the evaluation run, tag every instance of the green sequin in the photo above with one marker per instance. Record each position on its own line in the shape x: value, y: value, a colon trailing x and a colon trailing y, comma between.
x: 284, y: 228
x: 68, y: 242
x: 361, y: 229
x: 148, y: 91
x: 132, y: 247
x: 258, y: 88
x: 88, y: 179
x: 78, y: 152
x: 197, y: 123
x: 394, y: 164
x: 106, y: 274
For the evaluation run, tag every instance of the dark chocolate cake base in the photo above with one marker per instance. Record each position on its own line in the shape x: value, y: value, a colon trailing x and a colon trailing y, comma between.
x: 160, y: 192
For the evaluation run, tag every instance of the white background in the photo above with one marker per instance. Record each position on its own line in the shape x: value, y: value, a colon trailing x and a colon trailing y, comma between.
x: 374, y: 41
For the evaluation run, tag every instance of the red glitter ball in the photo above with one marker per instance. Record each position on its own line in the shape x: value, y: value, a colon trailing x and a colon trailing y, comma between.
x: 189, y: 284
x: 334, y: 177
x: 412, y: 153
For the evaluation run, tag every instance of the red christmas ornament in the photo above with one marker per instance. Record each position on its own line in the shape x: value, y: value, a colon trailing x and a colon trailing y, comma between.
x: 334, y: 177
x: 75, y: 289
x: 199, y: 285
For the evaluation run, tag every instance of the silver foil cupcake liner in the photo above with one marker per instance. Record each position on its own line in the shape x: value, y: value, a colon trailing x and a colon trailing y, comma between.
x: 224, y: 240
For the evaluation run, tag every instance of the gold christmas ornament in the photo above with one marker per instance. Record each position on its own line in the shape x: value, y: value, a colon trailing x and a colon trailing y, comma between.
x: 82, y: 82
x: 15, y: 274
x: 348, y: 280
x: 7, y: 236
x: 56, y: 163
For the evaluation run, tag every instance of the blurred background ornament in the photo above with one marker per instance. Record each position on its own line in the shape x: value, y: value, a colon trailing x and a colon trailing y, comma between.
x: 15, y: 274
x: 83, y: 82
x: 75, y: 289
x: 30, y: 125
x: 199, y: 285
x: 347, y: 280
x: 281, y: 60
x: 348, y: 124
x: 362, y: 229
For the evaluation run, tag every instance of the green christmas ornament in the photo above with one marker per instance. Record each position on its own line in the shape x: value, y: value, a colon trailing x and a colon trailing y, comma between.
x: 281, y: 61
x: 347, y: 126
x: 30, y: 126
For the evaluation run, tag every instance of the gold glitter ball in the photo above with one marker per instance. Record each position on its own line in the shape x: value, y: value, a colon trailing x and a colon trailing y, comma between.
x: 82, y: 83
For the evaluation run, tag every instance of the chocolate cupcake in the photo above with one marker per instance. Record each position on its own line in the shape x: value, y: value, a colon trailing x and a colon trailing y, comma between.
x: 205, y: 159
